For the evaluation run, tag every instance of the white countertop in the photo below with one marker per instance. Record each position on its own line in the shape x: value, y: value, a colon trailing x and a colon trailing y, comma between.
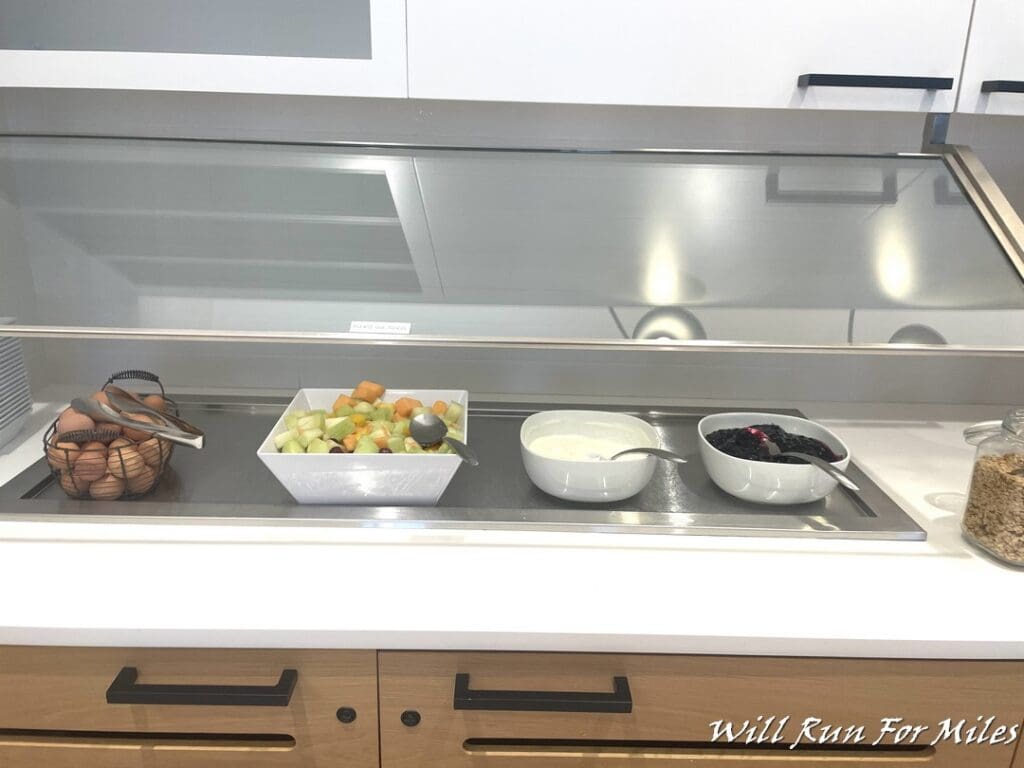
x: 310, y: 586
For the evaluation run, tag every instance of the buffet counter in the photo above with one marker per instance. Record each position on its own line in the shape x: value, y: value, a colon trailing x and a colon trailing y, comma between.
x: 303, y: 585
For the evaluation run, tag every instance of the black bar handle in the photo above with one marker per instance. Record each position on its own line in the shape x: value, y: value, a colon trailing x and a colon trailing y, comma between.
x: 124, y: 690
x: 1002, y: 86
x: 620, y: 700
x: 876, y: 81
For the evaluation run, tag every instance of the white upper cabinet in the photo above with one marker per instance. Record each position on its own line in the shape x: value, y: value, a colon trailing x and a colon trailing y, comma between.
x: 715, y: 53
x: 993, y: 81
x: 316, y: 47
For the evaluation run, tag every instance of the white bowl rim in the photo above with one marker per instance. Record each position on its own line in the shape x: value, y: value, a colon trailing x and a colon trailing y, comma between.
x: 754, y: 414
x: 626, y: 417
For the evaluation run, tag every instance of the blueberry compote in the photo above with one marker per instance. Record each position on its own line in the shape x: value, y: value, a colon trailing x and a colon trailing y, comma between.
x: 743, y: 445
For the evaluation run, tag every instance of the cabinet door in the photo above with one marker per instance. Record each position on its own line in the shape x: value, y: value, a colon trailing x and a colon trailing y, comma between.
x: 727, y: 53
x: 993, y: 80
x: 505, y: 710
x: 322, y: 47
x: 79, y: 706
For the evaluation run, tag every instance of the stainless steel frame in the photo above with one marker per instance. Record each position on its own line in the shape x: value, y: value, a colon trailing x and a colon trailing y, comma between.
x: 976, y: 183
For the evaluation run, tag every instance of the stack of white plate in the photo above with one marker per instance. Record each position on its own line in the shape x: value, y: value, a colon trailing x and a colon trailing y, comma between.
x: 15, y: 397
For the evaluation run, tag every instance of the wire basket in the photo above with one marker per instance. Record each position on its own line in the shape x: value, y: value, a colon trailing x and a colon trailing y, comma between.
x: 170, y: 406
x: 105, y: 464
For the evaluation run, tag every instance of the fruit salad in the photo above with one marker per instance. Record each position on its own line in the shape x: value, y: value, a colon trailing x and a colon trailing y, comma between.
x: 365, y: 422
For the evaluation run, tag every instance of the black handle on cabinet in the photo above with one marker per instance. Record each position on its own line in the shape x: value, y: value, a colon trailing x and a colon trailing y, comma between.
x: 620, y: 700
x: 876, y: 81
x: 124, y: 690
x: 1002, y: 86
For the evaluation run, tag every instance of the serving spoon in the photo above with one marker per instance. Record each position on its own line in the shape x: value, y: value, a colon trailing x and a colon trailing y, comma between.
x: 429, y: 429
x: 661, y: 453
x: 773, y: 450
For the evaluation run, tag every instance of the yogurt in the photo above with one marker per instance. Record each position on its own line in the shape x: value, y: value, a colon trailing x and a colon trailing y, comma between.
x: 576, y: 447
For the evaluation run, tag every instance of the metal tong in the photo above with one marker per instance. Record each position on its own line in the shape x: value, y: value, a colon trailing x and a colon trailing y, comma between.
x: 192, y: 437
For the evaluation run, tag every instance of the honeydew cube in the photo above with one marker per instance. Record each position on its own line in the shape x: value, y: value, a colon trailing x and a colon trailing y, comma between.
x: 337, y: 429
x: 454, y: 413
x: 401, y: 428
x: 444, y: 448
x: 396, y: 444
x: 316, y: 445
x: 305, y: 438
x: 381, y: 414
x: 292, y: 446
x: 344, y: 410
x: 292, y: 420
x: 285, y: 437
x: 309, y: 422
x: 417, y: 411
x: 411, y: 446
x: 366, y: 445
x: 364, y: 408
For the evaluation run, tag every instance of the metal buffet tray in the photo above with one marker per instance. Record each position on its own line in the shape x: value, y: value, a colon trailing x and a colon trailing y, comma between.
x: 227, y: 481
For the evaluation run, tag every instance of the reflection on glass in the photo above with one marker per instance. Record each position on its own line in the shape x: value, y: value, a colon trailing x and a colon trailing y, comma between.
x: 165, y: 234
x: 894, y: 265
x: 917, y: 334
x: 670, y: 324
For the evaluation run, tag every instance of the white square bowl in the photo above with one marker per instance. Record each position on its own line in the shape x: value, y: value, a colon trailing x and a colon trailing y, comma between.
x: 364, y: 479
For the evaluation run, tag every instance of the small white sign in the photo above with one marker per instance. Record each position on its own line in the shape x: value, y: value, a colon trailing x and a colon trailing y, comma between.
x: 373, y: 326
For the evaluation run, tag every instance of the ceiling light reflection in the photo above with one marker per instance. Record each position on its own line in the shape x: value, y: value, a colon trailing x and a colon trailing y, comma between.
x: 662, y: 273
x: 894, y: 267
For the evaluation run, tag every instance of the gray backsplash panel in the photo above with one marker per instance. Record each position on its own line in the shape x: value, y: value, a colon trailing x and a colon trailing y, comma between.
x: 332, y: 29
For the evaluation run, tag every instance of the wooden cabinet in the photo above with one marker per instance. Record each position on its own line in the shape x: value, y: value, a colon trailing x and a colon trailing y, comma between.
x: 993, y: 79
x: 526, y: 709
x: 318, y: 47
x: 171, y: 708
x: 54, y: 708
x: 730, y: 53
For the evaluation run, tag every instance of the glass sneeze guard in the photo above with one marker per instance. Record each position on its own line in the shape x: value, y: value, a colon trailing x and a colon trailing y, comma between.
x: 122, y: 238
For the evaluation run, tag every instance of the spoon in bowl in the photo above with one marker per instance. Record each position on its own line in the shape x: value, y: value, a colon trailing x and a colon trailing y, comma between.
x: 661, y: 453
x: 773, y: 450
x: 428, y: 429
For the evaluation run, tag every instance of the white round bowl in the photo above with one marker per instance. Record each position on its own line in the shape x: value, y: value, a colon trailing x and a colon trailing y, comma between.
x: 767, y: 482
x: 593, y: 480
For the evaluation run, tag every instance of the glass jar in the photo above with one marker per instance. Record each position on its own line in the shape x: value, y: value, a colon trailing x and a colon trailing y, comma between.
x: 994, y: 517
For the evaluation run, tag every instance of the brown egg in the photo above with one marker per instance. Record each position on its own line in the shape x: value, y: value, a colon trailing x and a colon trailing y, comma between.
x: 100, y: 397
x: 91, y: 463
x: 62, y: 456
x: 166, y: 448
x: 155, y: 402
x: 135, y: 434
x: 74, y: 486
x: 72, y: 421
x: 121, y: 442
x: 143, y: 481
x: 107, y: 487
x: 125, y: 462
x: 153, y: 451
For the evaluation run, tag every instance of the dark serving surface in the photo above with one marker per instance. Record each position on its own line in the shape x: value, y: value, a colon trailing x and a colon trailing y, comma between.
x: 227, y: 480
